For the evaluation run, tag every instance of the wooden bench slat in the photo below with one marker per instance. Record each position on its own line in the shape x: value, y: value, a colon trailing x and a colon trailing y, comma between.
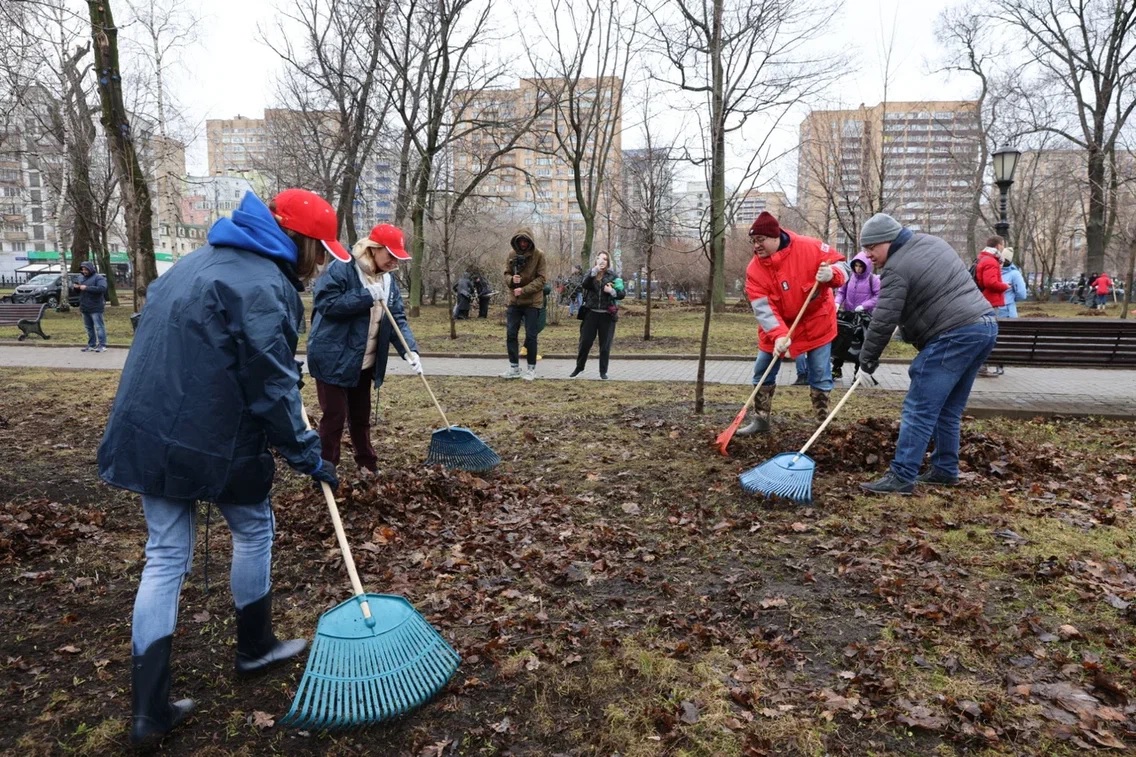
x: 1090, y: 342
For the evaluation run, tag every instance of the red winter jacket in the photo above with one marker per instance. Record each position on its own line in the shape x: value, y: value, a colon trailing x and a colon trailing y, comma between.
x: 777, y: 286
x: 988, y: 274
x: 1103, y: 284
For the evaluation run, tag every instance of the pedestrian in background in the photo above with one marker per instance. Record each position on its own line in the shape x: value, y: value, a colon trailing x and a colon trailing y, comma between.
x: 210, y: 388
x: 351, y: 339
x: 927, y: 292
x: 524, y: 280
x: 988, y: 276
x: 1017, y: 292
x: 92, y: 303
x: 602, y: 291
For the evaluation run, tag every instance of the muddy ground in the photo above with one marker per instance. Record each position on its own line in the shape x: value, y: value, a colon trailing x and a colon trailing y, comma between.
x: 610, y: 588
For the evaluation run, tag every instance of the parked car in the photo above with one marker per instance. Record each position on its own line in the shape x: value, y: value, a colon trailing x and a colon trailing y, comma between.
x: 44, y: 288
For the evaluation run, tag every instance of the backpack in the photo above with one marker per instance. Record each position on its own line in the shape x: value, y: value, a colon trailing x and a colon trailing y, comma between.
x: 974, y: 273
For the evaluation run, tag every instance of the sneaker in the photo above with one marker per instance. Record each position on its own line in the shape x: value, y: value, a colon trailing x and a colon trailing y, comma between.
x: 88, y: 349
x: 837, y: 372
x: 513, y: 372
x: 889, y: 484
x: 530, y: 373
x: 603, y: 377
x: 801, y: 380
x: 100, y: 348
x: 936, y: 477
x: 575, y: 373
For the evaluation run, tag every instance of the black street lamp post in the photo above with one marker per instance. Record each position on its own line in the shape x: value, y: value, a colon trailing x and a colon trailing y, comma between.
x: 1005, y: 160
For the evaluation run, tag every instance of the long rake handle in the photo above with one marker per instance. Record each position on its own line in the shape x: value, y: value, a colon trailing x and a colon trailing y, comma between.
x: 341, y: 536
x: 405, y: 346
x: 777, y: 357
x: 859, y: 377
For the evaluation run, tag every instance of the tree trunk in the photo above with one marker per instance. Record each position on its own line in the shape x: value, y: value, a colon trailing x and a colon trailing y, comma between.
x: 418, y: 254
x: 1095, y: 225
x: 717, y: 169
x: 116, y: 124
x: 1128, y: 278
x: 647, y: 320
x: 707, y: 310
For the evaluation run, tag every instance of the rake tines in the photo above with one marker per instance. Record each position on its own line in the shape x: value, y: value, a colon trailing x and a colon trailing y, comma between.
x: 459, y: 448
x: 789, y: 475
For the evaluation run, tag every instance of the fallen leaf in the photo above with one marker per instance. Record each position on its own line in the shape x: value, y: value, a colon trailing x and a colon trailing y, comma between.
x: 262, y: 720
x: 1067, y: 632
x: 202, y: 617
x: 69, y: 649
x: 799, y: 527
x: 688, y: 712
x: 503, y: 726
x: 769, y: 602
x: 630, y: 508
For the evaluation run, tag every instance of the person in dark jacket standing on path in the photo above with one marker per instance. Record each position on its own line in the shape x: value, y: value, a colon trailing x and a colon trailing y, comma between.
x: 351, y: 338
x: 928, y: 292
x: 481, y: 287
x: 92, y: 302
x: 602, y: 292
x: 209, y: 389
x: 524, y: 281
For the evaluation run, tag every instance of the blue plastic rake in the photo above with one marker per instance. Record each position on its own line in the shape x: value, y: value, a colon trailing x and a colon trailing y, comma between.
x: 374, y: 656
x: 453, y: 446
x: 790, y: 475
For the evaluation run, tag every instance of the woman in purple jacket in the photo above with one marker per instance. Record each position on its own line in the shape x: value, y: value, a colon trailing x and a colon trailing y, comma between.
x: 862, y: 290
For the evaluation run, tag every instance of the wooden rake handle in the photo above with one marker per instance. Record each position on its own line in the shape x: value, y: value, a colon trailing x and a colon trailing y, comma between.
x: 777, y: 357
x: 859, y: 377
x: 405, y: 346
x: 341, y: 536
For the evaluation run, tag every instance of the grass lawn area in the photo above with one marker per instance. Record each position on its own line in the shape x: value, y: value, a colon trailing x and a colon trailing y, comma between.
x: 610, y: 587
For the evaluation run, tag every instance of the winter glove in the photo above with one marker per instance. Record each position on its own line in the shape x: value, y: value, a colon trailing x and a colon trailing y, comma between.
x: 859, y: 308
x: 300, y: 370
x: 378, y: 291
x: 325, y: 473
x: 824, y: 274
x: 414, y: 362
x: 869, y: 366
x: 781, y: 346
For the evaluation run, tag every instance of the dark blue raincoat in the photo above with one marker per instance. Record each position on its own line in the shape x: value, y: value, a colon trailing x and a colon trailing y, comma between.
x: 211, y: 379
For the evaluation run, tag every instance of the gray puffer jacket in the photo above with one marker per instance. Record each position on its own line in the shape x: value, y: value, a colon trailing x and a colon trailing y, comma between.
x: 926, y: 290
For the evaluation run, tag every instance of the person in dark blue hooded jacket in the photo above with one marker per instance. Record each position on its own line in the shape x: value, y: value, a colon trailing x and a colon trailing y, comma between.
x: 351, y: 339
x: 209, y: 388
x: 92, y: 302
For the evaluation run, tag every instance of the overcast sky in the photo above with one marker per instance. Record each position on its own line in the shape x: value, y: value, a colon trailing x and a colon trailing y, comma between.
x: 230, y: 72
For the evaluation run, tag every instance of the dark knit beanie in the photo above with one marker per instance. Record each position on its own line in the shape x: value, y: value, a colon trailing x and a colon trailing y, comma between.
x: 765, y: 226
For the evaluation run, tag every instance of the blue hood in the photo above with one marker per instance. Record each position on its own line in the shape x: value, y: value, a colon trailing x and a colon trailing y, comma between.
x: 253, y: 228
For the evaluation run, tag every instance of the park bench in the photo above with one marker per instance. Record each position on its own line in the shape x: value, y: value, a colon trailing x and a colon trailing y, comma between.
x: 1079, y: 342
x: 27, y: 317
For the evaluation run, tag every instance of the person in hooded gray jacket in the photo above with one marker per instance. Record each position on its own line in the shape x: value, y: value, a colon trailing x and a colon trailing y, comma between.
x: 928, y: 292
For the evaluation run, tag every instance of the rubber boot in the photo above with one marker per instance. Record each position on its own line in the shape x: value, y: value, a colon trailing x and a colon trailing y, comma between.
x: 820, y: 403
x: 762, y: 407
x: 257, y: 646
x: 154, y: 715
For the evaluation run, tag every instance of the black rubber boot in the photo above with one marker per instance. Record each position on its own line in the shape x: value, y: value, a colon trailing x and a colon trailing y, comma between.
x: 257, y: 647
x: 154, y: 714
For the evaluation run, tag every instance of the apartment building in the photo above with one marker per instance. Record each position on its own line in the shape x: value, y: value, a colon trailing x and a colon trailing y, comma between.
x: 536, y: 185
x: 913, y: 160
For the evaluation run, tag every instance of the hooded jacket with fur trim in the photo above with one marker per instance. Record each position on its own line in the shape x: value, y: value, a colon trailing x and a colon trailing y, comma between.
x: 530, y: 267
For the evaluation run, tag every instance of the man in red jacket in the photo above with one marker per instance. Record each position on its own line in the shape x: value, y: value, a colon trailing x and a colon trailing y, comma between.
x: 778, y: 279
x: 988, y: 276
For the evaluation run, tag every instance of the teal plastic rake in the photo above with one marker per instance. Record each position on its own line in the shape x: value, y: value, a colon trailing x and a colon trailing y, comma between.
x: 789, y: 475
x: 453, y: 446
x: 374, y: 657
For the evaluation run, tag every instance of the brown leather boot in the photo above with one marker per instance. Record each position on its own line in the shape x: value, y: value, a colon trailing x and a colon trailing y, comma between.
x: 762, y: 406
x: 820, y: 403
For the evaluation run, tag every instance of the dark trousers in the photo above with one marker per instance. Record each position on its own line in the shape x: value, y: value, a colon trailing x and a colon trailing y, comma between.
x: 594, y: 323
x: 482, y: 307
x: 514, y: 314
x: 461, y: 310
x: 350, y: 406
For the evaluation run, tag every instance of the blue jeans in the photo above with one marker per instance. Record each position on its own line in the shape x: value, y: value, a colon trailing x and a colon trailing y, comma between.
x: 802, y: 365
x: 172, y: 524
x: 818, y: 363
x: 96, y: 329
x: 1102, y: 300
x: 941, y: 379
x: 514, y: 316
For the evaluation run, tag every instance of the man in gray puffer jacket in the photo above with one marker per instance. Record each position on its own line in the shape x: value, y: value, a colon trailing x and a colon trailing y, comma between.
x: 927, y: 292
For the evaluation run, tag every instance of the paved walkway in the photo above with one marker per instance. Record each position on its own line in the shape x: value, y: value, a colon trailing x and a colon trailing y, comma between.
x: 1022, y: 392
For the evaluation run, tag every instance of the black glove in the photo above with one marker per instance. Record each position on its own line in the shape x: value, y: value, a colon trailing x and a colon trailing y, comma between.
x: 300, y: 370
x: 869, y: 366
x: 325, y: 473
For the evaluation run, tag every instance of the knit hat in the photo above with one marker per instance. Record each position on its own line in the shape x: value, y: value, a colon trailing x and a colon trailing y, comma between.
x: 765, y: 226
x: 1007, y: 254
x: 879, y: 228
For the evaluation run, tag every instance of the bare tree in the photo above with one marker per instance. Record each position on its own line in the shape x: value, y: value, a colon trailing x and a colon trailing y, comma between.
x: 332, y: 83
x: 743, y: 61
x: 1084, y: 55
x: 120, y: 136
x: 439, y: 72
x: 647, y: 202
x: 591, y: 42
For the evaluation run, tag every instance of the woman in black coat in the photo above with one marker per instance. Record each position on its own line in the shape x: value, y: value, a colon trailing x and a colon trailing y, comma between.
x: 602, y: 291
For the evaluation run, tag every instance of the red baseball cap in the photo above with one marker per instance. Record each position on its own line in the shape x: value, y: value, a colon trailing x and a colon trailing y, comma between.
x: 391, y: 238
x: 309, y: 214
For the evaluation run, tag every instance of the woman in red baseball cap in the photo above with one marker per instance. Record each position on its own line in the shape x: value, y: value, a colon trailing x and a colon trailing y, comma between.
x: 351, y: 339
x: 209, y: 389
